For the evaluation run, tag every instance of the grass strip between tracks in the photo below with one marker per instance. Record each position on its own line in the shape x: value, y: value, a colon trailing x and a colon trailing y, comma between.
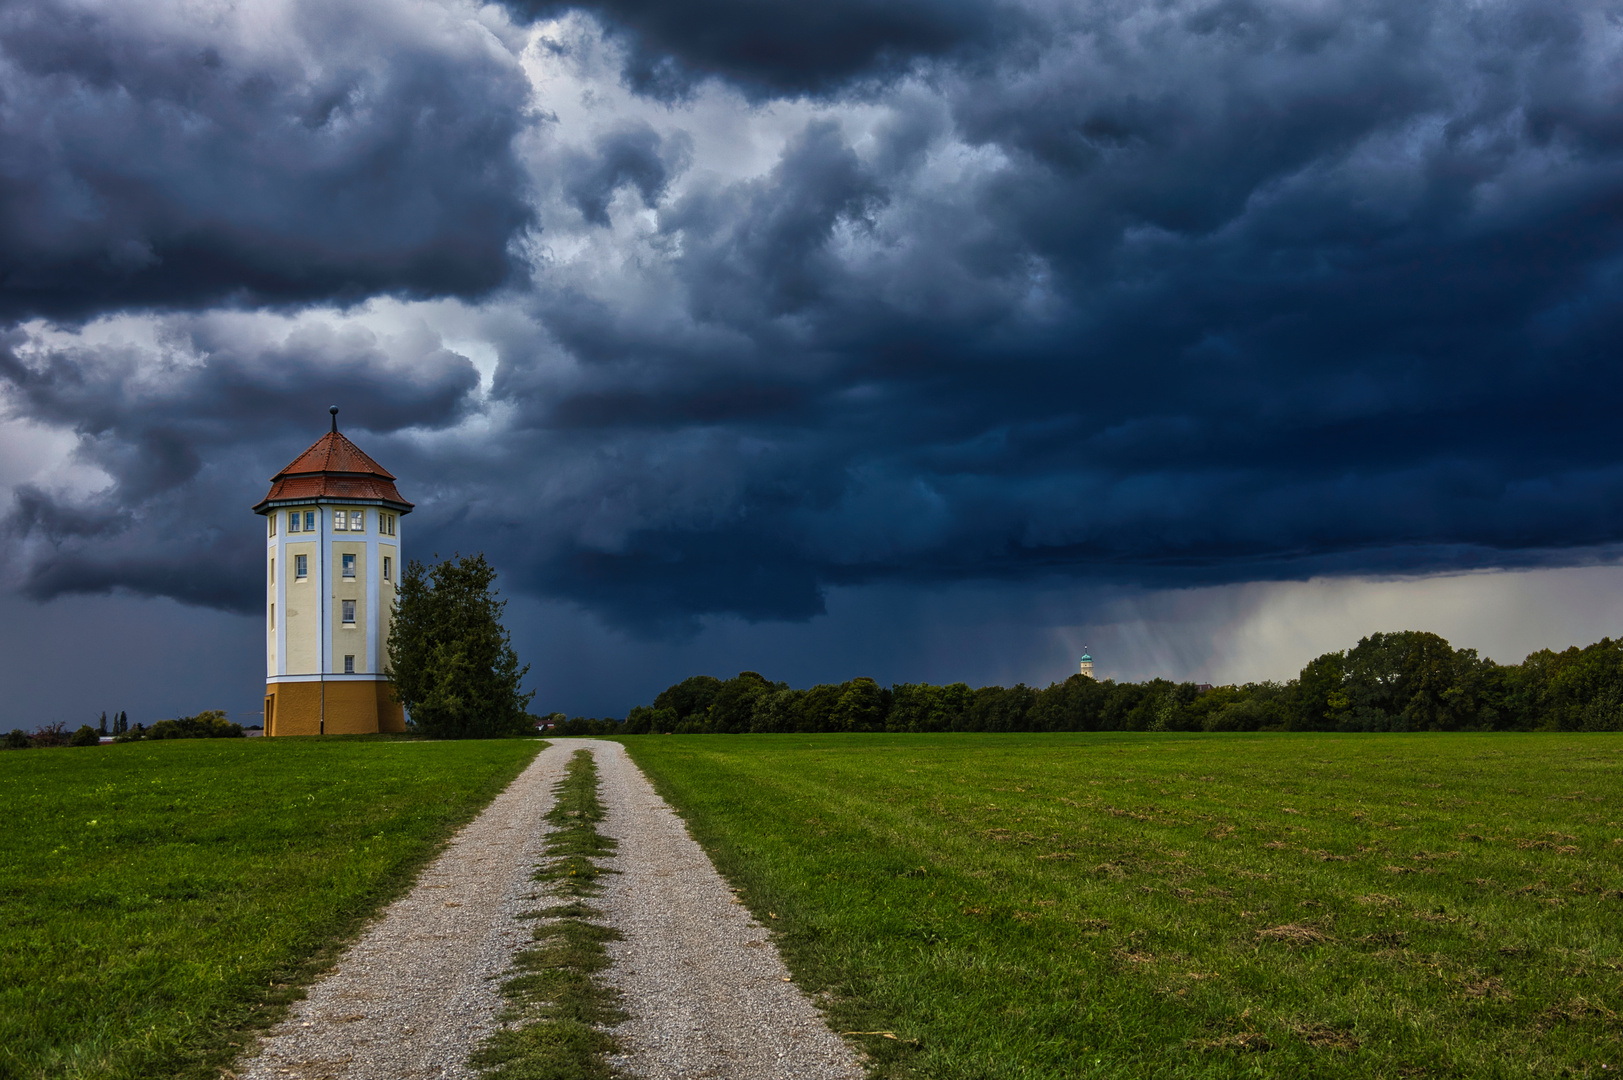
x: 557, y: 1008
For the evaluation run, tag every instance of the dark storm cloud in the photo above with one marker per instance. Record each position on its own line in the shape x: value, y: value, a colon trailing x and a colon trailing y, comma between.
x: 187, y: 447
x: 770, y: 49
x: 1223, y: 291
x: 1163, y: 295
x: 632, y: 155
x: 662, y: 581
x: 327, y: 151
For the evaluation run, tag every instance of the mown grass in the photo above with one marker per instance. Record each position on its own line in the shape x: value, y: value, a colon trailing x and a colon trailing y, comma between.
x: 1128, y: 905
x: 160, y: 901
x: 557, y: 1009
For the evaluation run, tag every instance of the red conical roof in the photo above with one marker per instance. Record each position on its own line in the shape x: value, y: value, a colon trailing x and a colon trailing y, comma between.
x: 334, y: 453
x: 333, y: 468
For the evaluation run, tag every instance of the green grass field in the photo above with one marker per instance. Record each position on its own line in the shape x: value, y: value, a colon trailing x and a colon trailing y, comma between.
x: 158, y: 901
x: 1131, y: 905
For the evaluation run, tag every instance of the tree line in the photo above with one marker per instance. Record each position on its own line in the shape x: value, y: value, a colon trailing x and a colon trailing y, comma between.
x: 1405, y: 681
x: 210, y: 724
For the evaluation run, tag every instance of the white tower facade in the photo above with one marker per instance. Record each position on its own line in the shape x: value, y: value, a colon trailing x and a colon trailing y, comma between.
x: 1087, y: 666
x: 332, y: 563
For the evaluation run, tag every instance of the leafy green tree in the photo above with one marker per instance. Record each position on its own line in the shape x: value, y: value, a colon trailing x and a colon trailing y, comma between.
x: 688, y: 700
x: 733, y: 709
x: 645, y: 719
x: 1236, y: 714
x: 817, y: 708
x: 1583, y: 689
x: 101, y: 728
x: 450, y: 661
x: 861, y: 706
x: 1136, y: 706
x: 996, y: 708
x: 1197, y: 714
x: 779, y: 711
x: 1176, y: 708
x: 85, y: 736
x: 915, y: 707
x: 1073, y: 705
x: 1319, y: 698
x: 1482, y: 697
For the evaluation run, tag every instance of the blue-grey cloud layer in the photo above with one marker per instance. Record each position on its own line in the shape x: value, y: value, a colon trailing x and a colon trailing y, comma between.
x: 315, y: 152
x: 188, y: 448
x: 1163, y: 294
x: 784, y: 48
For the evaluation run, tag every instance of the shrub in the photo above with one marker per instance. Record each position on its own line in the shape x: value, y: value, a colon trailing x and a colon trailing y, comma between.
x: 17, y: 740
x: 582, y: 725
x: 49, y: 735
x: 211, y: 724
x: 85, y: 736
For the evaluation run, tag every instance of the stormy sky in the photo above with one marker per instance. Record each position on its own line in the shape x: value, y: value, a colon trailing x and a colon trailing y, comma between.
x: 910, y: 338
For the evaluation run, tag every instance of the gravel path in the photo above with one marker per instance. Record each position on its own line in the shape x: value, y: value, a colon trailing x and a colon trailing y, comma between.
x: 413, y: 997
x: 706, y: 990
x: 707, y: 993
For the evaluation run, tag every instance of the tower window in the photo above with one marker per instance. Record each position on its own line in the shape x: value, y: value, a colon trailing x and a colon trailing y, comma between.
x: 309, y: 521
x: 301, y: 566
x: 349, y: 612
x: 273, y: 616
x: 385, y: 524
x: 349, y: 566
x: 273, y: 571
x: 349, y: 664
x: 270, y: 522
x: 340, y: 521
x: 357, y: 521
x: 387, y: 567
x: 292, y: 521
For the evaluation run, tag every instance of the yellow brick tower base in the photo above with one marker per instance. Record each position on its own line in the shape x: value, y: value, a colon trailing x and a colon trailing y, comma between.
x: 334, y: 707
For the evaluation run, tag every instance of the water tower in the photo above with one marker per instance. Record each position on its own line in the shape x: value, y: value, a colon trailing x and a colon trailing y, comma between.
x: 332, y: 562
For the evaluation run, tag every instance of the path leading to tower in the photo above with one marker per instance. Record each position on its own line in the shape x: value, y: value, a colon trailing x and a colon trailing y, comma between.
x: 707, y: 994
x: 423, y: 985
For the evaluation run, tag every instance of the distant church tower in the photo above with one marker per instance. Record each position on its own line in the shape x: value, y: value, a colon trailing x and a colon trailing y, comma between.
x: 1087, y: 666
x: 332, y: 553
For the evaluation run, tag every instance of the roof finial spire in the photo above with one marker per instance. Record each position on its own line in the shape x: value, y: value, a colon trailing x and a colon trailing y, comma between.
x: 334, y: 411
